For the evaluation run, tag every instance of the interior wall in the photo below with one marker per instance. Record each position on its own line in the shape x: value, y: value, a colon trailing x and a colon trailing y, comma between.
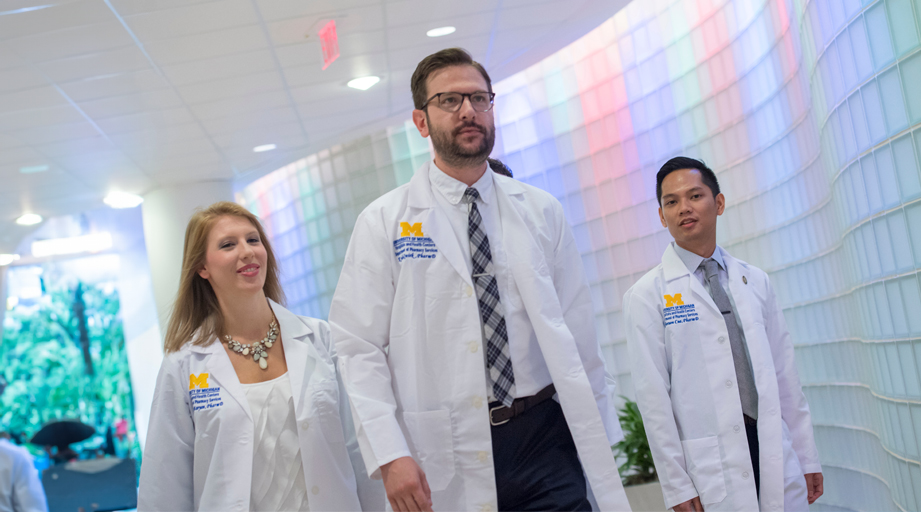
x: 810, y: 113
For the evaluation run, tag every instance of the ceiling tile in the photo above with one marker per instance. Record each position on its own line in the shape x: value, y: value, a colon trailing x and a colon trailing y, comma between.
x: 56, y: 133
x: 19, y: 78
x: 252, y: 120
x: 131, y: 7
x: 31, y: 118
x: 238, y: 86
x: 218, y: 68
x: 148, y: 120
x: 37, y: 97
x: 254, y: 103
x: 434, y: 12
x: 71, y: 42
x: 274, y: 10
x: 119, y: 84
x: 61, y: 17
x: 207, y: 45
x: 102, y: 64
x: 193, y: 19
x: 131, y: 103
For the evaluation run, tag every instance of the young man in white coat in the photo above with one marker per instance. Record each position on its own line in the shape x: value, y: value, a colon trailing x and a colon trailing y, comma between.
x: 713, y: 367
x: 461, y: 310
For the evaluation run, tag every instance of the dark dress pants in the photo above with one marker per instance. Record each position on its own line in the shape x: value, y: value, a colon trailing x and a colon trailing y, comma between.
x: 537, y: 467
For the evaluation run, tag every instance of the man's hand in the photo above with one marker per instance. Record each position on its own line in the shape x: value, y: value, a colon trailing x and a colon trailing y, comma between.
x: 406, y: 487
x: 692, y: 505
x: 814, y: 486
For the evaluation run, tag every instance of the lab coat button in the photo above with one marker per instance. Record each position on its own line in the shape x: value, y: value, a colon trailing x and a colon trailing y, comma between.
x: 736, y: 429
x: 477, y: 402
x: 482, y: 456
x: 722, y: 339
x: 315, y: 490
x: 486, y: 508
x: 305, y: 425
x: 745, y: 475
x: 468, y: 290
x: 474, y: 346
x: 728, y: 383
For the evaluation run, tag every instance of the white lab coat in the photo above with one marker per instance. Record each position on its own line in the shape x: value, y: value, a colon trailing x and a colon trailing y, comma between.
x: 411, y: 350
x: 20, y: 488
x: 202, y: 459
x: 686, y: 389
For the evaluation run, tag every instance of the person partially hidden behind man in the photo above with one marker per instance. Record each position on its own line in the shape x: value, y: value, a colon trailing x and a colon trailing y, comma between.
x: 462, y: 308
x: 713, y: 368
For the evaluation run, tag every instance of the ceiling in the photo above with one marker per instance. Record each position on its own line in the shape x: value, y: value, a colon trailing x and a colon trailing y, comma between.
x: 132, y: 95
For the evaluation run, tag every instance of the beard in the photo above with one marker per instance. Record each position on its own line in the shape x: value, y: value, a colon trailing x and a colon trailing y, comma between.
x: 454, y: 154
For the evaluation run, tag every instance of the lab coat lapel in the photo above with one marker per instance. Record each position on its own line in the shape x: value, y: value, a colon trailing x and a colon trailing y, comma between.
x: 221, y: 373
x: 674, y: 268
x: 300, y: 354
x: 436, y: 225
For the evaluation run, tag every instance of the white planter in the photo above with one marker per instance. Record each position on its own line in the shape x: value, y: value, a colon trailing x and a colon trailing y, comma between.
x: 646, y: 497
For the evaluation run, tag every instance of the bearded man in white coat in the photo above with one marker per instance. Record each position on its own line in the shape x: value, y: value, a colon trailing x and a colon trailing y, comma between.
x: 460, y: 312
x: 713, y: 368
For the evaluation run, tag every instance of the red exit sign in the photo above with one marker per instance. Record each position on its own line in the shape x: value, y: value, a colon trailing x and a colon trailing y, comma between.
x: 329, y: 43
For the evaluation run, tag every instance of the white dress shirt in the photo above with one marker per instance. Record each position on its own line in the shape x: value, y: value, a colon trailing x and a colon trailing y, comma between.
x: 531, y: 373
x: 693, y: 262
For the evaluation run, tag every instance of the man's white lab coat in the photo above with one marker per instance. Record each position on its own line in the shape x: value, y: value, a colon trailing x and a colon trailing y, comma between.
x: 686, y: 389
x: 406, y: 324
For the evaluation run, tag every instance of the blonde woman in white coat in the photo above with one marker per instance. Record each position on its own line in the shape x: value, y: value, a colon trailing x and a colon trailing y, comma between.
x: 248, y: 412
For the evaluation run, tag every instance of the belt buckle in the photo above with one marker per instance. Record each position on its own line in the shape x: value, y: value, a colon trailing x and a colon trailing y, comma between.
x: 491, y: 421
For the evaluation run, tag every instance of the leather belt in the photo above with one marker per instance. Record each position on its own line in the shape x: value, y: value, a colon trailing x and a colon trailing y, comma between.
x: 749, y: 421
x: 500, y: 414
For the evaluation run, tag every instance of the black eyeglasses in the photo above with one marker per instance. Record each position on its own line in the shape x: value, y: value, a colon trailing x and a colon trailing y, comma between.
x: 452, y: 101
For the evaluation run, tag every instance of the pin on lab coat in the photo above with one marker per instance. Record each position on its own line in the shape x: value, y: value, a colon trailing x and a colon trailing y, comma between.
x: 686, y: 389
x: 202, y: 459
x: 410, y: 344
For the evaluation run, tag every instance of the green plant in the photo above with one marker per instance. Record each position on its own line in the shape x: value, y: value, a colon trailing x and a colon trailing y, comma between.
x: 638, y: 467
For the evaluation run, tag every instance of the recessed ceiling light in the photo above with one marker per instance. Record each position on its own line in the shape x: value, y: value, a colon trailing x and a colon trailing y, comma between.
x: 6, y: 259
x: 29, y: 219
x: 264, y: 147
x: 440, y: 31
x: 32, y: 169
x: 364, y: 83
x: 122, y: 200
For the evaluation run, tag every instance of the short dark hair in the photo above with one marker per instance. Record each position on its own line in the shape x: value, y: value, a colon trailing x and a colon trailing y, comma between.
x: 683, y: 162
x: 440, y: 60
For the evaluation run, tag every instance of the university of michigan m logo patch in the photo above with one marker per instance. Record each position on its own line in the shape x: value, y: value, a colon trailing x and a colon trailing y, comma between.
x: 673, y: 300
x: 411, y: 229
x: 198, y: 381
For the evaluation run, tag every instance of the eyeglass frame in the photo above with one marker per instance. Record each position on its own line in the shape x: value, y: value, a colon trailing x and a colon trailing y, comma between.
x: 464, y: 97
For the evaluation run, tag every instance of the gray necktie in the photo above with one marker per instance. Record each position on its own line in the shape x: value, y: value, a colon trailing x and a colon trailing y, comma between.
x: 747, y: 390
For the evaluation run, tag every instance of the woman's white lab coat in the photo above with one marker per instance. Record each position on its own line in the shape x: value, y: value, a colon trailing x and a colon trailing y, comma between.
x: 406, y: 324
x: 199, y: 452
x: 685, y: 384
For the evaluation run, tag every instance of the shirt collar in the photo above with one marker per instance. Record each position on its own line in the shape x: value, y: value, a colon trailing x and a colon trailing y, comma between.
x: 453, y: 189
x: 692, y: 261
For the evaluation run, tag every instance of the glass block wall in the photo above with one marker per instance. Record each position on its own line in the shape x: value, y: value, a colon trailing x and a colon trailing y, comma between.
x: 810, y: 113
x: 309, y: 207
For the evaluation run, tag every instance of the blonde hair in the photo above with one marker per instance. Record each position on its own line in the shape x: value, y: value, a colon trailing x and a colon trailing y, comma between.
x: 196, y: 307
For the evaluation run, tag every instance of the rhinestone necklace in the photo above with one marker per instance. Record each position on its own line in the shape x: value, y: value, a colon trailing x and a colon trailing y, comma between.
x: 256, y: 349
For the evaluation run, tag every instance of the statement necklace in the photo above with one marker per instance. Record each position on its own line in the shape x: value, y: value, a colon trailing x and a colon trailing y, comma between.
x: 256, y: 349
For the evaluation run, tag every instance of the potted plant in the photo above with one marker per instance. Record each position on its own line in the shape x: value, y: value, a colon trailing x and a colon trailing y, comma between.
x: 637, y: 471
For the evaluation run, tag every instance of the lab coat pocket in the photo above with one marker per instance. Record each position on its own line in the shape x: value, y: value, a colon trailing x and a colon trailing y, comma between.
x: 705, y: 468
x: 430, y: 432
